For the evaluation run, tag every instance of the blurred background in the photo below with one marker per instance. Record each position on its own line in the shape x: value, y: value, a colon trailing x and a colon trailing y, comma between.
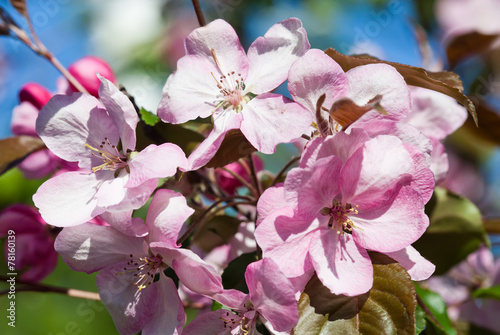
x: 142, y: 41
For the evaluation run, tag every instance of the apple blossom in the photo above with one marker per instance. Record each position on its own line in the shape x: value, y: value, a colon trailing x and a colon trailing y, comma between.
x: 85, y: 70
x: 216, y: 78
x: 357, y: 194
x: 114, y: 177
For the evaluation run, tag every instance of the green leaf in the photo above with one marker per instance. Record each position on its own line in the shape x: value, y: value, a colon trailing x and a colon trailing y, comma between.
x: 420, y: 321
x: 15, y: 149
x: 217, y: 231
x: 488, y: 293
x: 444, y: 82
x: 216, y: 305
x: 455, y: 230
x: 149, y: 118
x: 234, y: 274
x: 437, y: 307
x: 388, y: 308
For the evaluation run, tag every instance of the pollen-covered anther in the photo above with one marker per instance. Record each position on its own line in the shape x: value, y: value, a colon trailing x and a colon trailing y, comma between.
x: 339, y: 214
x: 112, y: 158
x: 144, y: 268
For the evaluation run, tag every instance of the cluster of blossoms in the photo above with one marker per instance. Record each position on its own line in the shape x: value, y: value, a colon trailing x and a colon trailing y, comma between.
x: 360, y: 186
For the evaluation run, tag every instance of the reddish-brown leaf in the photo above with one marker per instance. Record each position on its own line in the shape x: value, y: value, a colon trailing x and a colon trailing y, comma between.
x: 14, y: 149
x: 466, y: 45
x: 233, y: 147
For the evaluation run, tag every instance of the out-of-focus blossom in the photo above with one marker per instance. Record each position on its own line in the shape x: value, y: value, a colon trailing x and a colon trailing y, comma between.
x: 114, y: 177
x: 228, y: 182
x: 270, y: 298
x: 173, y: 44
x: 35, y: 256
x: 479, y: 270
x: 216, y: 78
x: 458, y: 17
x: 85, y: 71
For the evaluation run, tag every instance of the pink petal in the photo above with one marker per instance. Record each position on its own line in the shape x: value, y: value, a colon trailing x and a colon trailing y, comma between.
x: 166, y: 215
x: 67, y: 123
x: 68, y: 199
x: 169, y: 316
x: 220, y: 37
x: 212, y: 323
x: 270, y: 119
x: 341, y: 264
x: 155, y: 162
x: 417, y: 266
x: 89, y: 247
x: 130, y: 308
x: 39, y: 164
x: 313, y: 75
x: 125, y: 223
x: 342, y: 145
x: 271, y: 56
x: 121, y: 111
x: 394, y: 228
x: 272, y: 294
x: 191, y: 91
x: 272, y: 199
x: 367, y: 81
x: 192, y: 271
x: 309, y: 190
x: 24, y: 119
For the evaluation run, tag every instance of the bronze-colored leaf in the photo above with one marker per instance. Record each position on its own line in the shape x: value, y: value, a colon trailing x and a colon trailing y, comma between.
x: 217, y: 231
x: 321, y: 121
x: 14, y: 149
x: 492, y: 225
x: 20, y: 6
x: 345, y: 111
x: 233, y: 147
x: 489, y: 123
x: 388, y: 308
x: 444, y: 82
x: 466, y: 45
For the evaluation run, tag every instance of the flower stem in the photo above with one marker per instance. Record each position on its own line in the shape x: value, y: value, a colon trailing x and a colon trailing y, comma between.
x: 255, y: 180
x: 199, y: 13
x: 283, y: 170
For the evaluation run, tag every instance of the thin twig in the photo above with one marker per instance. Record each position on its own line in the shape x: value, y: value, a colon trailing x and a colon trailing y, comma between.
x: 254, y: 176
x: 241, y: 180
x: 199, y: 13
x: 283, y: 170
x: 36, y: 287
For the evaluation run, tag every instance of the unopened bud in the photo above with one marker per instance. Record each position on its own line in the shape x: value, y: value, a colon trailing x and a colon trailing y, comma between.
x: 85, y: 71
x: 35, y: 94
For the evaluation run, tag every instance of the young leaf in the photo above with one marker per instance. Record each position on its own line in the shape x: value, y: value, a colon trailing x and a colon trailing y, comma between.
x: 437, y: 307
x: 420, y: 321
x: 345, y: 111
x: 149, y: 118
x: 389, y: 307
x: 489, y: 123
x: 455, y: 230
x: 233, y: 147
x: 466, y: 45
x: 444, y: 82
x: 217, y: 231
x: 488, y: 293
x: 234, y: 274
x: 15, y: 149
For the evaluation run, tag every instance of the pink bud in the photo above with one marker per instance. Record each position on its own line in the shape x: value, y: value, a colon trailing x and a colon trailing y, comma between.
x: 229, y: 183
x: 85, y: 70
x: 28, y: 242
x: 35, y: 94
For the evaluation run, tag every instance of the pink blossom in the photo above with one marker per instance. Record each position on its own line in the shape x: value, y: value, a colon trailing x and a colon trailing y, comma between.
x: 127, y: 267
x: 354, y: 193
x: 479, y: 270
x: 35, y: 256
x: 228, y: 182
x: 217, y: 78
x: 85, y: 69
x: 101, y: 138
x: 270, y: 298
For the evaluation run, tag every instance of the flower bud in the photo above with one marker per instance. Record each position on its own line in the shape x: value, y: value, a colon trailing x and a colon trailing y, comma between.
x: 229, y: 183
x: 85, y: 69
x: 35, y: 94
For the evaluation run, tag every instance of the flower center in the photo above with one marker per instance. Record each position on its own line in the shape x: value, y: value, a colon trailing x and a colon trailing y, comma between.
x: 236, y: 319
x: 231, y: 87
x: 112, y: 158
x: 339, y: 213
x: 144, y: 268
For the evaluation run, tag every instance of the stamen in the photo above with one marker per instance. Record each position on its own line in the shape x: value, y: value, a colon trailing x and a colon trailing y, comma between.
x: 112, y: 158
x: 144, y: 268
x: 340, y: 214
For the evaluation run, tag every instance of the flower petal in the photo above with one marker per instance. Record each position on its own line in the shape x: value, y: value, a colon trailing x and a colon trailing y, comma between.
x: 125, y: 223
x: 89, y: 247
x: 212, y: 323
x: 68, y: 199
x: 67, y: 123
x: 270, y: 119
x: 166, y: 215
x: 313, y: 75
x: 155, y: 162
x: 271, y: 56
x: 24, y: 119
x: 417, y: 266
x: 121, y: 111
x: 272, y: 294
